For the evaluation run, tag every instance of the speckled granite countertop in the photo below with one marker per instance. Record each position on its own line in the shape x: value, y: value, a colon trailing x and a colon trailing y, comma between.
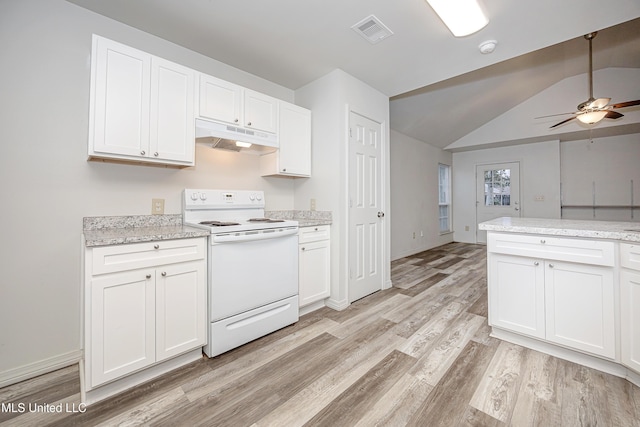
x: 117, y: 230
x: 613, y: 230
x: 304, y: 218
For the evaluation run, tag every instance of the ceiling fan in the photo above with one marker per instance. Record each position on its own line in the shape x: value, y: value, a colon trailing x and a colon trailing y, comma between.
x: 593, y: 110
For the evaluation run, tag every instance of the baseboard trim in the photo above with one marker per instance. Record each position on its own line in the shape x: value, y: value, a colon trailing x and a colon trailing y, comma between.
x: 337, y: 305
x: 311, y: 307
x: 40, y: 367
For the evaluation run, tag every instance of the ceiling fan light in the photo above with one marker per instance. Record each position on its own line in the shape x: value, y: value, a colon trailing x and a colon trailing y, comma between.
x: 462, y: 17
x: 592, y: 117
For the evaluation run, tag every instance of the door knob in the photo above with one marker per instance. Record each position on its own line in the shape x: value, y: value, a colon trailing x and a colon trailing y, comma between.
x: 380, y: 214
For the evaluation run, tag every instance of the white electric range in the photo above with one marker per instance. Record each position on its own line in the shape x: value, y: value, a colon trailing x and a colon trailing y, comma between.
x: 252, y: 266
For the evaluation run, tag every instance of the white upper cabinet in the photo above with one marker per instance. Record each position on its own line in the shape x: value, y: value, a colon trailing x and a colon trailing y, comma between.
x: 220, y: 100
x: 293, y: 157
x: 260, y: 111
x: 142, y: 106
x: 226, y: 102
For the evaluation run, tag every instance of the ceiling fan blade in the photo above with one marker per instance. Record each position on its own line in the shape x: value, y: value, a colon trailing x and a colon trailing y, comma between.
x: 554, y: 115
x: 563, y: 122
x: 626, y: 104
x: 613, y: 115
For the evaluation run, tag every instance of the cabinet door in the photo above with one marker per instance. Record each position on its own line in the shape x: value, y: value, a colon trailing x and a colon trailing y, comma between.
x: 172, y: 125
x: 580, y: 307
x: 260, y: 111
x: 630, y: 319
x: 122, y: 324
x: 516, y: 294
x: 120, y: 85
x: 314, y: 271
x: 294, y: 136
x: 220, y: 100
x: 181, y: 317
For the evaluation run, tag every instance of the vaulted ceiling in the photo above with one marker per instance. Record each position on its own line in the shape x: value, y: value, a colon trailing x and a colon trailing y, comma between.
x: 441, y: 87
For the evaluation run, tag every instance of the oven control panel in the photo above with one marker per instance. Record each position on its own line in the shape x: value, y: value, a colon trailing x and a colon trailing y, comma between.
x: 221, y: 199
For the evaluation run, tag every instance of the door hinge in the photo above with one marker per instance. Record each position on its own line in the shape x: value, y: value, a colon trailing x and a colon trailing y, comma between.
x: 350, y: 133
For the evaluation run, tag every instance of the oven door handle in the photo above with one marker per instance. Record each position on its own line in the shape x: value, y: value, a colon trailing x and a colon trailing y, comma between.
x: 248, y: 236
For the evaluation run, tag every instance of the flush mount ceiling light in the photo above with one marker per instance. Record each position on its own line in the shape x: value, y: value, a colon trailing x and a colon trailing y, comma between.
x: 463, y: 17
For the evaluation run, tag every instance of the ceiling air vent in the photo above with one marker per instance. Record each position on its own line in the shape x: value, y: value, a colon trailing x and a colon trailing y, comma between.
x: 372, y: 29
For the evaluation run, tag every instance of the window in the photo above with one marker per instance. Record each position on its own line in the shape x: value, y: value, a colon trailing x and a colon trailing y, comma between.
x: 444, y: 197
x: 497, y: 187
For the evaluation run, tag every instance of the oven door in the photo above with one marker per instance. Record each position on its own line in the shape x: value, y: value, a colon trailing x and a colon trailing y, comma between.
x: 251, y: 269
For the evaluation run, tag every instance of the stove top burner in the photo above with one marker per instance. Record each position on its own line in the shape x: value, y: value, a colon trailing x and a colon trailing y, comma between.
x: 268, y: 220
x: 219, y: 223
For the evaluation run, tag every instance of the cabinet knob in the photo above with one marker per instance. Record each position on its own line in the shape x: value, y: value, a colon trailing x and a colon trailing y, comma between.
x: 543, y: 241
x: 284, y: 169
x: 156, y: 246
x: 315, y: 229
x: 236, y: 120
x: 249, y: 124
x: 550, y: 265
x: 148, y: 276
x: 143, y: 152
x: 536, y: 263
x: 164, y: 273
x: 303, y: 248
x: 155, y: 154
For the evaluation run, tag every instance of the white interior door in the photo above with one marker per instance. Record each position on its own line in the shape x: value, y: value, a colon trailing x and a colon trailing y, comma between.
x: 497, y: 193
x: 366, y: 217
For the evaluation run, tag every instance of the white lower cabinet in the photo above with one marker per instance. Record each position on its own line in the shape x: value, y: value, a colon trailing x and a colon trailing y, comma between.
x: 579, y: 306
x: 516, y: 294
x: 566, y: 303
x: 630, y: 306
x: 314, y: 264
x: 145, y: 303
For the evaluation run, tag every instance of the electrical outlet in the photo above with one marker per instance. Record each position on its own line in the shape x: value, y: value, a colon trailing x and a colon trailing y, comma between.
x: 539, y: 198
x: 414, y: 234
x: 157, y: 206
x: 313, y: 204
x: 466, y: 228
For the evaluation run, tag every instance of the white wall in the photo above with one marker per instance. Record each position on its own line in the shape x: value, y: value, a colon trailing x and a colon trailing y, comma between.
x: 539, y: 175
x: 606, y: 166
x: 330, y: 97
x: 48, y: 186
x: 414, y: 195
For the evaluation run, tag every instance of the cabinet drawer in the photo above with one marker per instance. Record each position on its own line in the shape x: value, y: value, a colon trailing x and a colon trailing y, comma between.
x: 313, y: 234
x: 554, y: 248
x: 630, y: 256
x: 110, y: 259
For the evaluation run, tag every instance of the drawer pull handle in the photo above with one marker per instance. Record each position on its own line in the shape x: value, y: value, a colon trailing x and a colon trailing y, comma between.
x: 543, y: 241
x: 164, y: 273
x: 156, y: 246
x: 148, y: 276
x: 536, y: 263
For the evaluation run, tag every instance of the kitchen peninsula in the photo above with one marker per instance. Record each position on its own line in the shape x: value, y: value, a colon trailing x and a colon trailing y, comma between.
x: 569, y: 288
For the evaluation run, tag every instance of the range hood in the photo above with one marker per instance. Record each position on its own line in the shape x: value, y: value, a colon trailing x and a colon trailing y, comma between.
x: 233, y: 138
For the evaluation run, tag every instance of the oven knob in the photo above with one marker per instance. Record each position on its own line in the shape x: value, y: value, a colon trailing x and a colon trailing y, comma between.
x: 203, y: 196
x: 258, y: 197
x: 194, y: 196
x: 252, y: 197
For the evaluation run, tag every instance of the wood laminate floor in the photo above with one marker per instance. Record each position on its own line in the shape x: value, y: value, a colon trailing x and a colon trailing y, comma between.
x: 418, y: 354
